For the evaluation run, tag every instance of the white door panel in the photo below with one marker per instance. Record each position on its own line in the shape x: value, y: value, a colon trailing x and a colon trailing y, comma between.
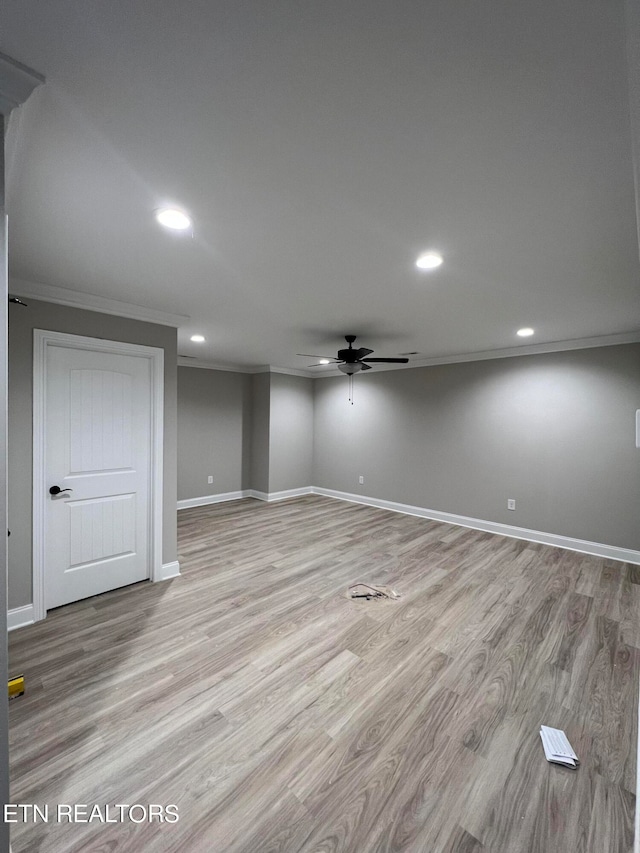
x: 97, y: 445
x: 101, y: 420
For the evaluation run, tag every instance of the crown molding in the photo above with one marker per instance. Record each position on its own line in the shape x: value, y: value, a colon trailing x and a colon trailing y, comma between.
x: 187, y: 361
x: 288, y: 371
x: 535, y: 349
x: 17, y: 82
x: 90, y: 302
x: 507, y: 352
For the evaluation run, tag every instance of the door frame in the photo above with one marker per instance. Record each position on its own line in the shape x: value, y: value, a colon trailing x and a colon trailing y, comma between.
x: 42, y: 340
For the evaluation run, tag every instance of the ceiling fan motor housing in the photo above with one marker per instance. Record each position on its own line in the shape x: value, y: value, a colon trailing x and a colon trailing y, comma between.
x: 350, y: 355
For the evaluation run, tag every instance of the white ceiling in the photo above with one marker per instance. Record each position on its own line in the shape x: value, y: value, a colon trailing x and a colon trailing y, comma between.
x: 320, y: 146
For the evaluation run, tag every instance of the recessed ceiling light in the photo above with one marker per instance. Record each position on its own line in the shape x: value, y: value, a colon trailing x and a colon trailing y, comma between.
x: 173, y: 218
x: 525, y: 333
x: 197, y: 339
x: 324, y: 361
x: 429, y: 261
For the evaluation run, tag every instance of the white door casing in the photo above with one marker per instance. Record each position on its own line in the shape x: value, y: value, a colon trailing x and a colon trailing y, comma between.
x: 98, y: 415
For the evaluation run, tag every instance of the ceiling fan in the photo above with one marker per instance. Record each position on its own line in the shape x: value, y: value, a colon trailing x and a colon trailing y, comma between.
x: 352, y: 360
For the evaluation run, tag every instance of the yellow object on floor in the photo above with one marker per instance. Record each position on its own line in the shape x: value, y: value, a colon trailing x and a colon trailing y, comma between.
x: 16, y: 686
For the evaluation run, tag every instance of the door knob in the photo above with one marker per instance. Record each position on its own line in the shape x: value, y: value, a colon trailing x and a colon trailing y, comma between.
x: 55, y: 490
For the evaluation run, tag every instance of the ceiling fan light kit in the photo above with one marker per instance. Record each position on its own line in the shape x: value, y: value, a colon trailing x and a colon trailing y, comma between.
x: 350, y: 369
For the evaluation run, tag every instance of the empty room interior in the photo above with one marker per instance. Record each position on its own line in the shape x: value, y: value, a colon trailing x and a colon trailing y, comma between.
x: 323, y: 426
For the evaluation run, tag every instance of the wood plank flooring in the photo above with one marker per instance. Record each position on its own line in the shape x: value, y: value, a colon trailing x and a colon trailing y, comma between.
x: 279, y: 715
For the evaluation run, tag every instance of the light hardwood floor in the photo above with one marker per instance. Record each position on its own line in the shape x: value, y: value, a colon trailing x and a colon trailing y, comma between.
x: 281, y: 716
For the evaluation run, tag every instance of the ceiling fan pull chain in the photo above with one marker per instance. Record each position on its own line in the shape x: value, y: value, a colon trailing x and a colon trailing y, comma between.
x: 351, y: 388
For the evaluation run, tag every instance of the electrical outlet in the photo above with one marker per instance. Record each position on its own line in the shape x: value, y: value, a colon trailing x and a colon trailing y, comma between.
x: 361, y: 480
x: 511, y: 503
x: 210, y: 478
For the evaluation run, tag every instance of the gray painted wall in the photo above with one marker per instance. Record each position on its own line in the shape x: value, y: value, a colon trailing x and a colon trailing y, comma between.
x: 291, y: 432
x: 59, y: 318
x: 260, y: 392
x: 214, y: 431
x: 553, y: 431
x: 249, y: 432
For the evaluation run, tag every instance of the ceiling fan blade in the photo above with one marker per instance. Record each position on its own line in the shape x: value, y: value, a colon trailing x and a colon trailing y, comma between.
x: 387, y: 360
x: 322, y: 364
x: 360, y: 353
x: 365, y: 366
x: 311, y: 355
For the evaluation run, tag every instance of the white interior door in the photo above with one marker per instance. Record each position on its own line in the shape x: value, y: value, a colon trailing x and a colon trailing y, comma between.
x: 97, y: 448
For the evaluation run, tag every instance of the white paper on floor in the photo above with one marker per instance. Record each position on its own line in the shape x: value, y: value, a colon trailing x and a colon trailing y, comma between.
x: 557, y: 747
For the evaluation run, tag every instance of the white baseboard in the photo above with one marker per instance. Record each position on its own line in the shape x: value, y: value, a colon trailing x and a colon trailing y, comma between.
x: 205, y: 500
x: 280, y: 496
x: 583, y: 546
x: 170, y: 570
x: 18, y: 617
